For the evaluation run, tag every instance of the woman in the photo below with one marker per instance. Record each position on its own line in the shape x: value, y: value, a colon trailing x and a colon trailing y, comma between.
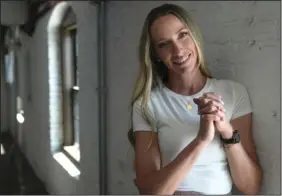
x: 186, y: 125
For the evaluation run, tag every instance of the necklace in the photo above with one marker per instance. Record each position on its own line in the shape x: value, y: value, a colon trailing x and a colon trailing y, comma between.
x: 189, y: 106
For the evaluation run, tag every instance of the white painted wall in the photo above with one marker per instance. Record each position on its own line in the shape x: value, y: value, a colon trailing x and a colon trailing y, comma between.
x: 8, y: 106
x: 35, y: 130
x: 23, y: 79
x: 228, y: 33
x: 13, y: 12
x: 4, y: 110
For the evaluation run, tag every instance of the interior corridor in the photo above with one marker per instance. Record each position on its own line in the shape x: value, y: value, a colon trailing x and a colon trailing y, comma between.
x: 67, y: 73
x: 17, y: 176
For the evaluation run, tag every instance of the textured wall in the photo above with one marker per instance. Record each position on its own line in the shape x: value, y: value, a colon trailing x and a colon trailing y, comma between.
x: 4, y: 101
x: 242, y: 43
x: 35, y: 130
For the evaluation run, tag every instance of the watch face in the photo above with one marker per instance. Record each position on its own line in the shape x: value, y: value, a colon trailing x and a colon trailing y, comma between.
x: 236, y: 137
x: 234, y: 140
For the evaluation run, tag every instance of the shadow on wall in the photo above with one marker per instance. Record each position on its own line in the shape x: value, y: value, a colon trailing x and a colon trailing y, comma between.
x: 234, y: 50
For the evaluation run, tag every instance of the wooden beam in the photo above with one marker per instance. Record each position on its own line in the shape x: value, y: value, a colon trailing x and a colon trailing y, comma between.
x: 37, y: 9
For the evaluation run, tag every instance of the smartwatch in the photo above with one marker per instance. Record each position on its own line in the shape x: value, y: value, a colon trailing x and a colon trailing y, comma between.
x: 233, y: 140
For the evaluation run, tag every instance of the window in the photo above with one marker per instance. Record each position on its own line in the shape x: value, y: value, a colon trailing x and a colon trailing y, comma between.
x: 63, y: 88
x: 9, y: 60
x: 70, y: 91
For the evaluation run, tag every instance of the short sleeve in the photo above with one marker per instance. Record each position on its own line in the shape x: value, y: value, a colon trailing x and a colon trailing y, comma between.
x: 139, y: 122
x: 241, y: 101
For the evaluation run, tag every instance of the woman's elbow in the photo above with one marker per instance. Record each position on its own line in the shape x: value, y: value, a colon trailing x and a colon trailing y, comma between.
x: 148, y: 189
x: 250, y: 191
x: 254, y: 188
x: 141, y: 188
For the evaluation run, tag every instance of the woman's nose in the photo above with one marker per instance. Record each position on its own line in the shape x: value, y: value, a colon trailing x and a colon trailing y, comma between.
x: 177, y: 49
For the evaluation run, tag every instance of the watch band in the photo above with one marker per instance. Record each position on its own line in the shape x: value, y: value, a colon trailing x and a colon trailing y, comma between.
x: 233, y: 140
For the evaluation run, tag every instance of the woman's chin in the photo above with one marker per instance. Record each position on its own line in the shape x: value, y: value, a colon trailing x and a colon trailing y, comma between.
x: 184, y: 68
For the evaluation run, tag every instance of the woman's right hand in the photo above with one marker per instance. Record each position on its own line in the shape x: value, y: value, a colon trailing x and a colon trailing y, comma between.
x: 207, y: 127
x: 207, y: 130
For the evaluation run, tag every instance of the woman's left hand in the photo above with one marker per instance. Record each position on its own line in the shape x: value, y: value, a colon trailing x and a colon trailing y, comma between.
x: 211, y: 106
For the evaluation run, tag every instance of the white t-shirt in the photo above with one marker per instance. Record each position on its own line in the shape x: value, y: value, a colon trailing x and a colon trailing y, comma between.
x: 177, y: 127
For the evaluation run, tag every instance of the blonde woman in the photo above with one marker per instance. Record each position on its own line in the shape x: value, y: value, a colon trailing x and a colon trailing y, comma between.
x: 191, y: 132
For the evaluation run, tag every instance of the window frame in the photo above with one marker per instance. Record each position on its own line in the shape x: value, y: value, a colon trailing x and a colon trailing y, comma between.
x: 70, y: 90
x: 62, y: 15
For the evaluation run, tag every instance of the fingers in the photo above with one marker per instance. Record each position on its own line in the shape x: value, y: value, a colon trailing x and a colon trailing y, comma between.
x: 210, y: 117
x: 205, y: 100
x: 209, y: 102
x: 215, y: 116
x: 213, y: 96
x: 211, y: 107
x: 196, y: 101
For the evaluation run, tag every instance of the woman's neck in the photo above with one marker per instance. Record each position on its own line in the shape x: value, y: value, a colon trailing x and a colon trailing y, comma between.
x: 186, y: 84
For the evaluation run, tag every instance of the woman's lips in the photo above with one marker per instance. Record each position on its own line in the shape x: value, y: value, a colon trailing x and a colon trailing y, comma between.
x: 180, y: 62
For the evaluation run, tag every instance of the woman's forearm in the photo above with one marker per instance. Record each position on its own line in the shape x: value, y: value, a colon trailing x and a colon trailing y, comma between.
x: 246, y: 174
x: 166, y: 180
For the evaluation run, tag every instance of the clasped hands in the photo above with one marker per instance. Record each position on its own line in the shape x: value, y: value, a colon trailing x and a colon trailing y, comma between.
x: 211, y: 107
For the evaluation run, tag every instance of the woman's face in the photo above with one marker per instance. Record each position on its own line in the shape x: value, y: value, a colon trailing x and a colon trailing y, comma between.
x: 173, y: 44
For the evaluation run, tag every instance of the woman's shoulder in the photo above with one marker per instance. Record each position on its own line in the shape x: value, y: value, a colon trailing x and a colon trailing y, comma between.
x: 152, y: 96
x: 229, y: 89
x: 228, y: 84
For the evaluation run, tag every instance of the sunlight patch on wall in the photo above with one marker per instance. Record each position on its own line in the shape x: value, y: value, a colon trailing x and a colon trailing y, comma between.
x: 2, y: 150
x: 73, y: 151
x: 63, y: 160
x: 20, y: 117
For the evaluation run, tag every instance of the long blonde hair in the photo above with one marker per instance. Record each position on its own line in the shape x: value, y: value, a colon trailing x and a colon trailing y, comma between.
x: 153, y: 72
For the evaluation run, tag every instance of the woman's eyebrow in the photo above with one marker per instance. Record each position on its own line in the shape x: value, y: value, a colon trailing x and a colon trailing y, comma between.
x: 182, y: 28
x: 164, y: 39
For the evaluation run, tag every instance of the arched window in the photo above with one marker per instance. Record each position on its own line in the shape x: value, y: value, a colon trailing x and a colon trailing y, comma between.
x: 9, y: 58
x: 70, y: 85
x: 63, y: 82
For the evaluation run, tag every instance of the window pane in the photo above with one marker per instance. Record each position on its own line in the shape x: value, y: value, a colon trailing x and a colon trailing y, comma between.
x: 75, y: 88
x: 9, y: 61
x: 74, y: 50
x: 76, y: 117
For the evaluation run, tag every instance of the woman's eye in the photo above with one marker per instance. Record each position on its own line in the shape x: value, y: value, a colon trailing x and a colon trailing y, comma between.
x: 183, y: 34
x: 163, y: 44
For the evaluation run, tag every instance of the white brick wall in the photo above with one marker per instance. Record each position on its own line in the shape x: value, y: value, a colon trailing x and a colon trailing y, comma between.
x: 36, y: 133
x: 229, y: 29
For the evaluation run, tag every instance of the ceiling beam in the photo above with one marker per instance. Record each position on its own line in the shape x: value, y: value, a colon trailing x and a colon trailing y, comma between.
x: 37, y: 9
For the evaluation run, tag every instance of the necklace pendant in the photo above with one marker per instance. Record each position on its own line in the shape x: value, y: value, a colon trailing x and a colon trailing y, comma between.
x: 189, y: 106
